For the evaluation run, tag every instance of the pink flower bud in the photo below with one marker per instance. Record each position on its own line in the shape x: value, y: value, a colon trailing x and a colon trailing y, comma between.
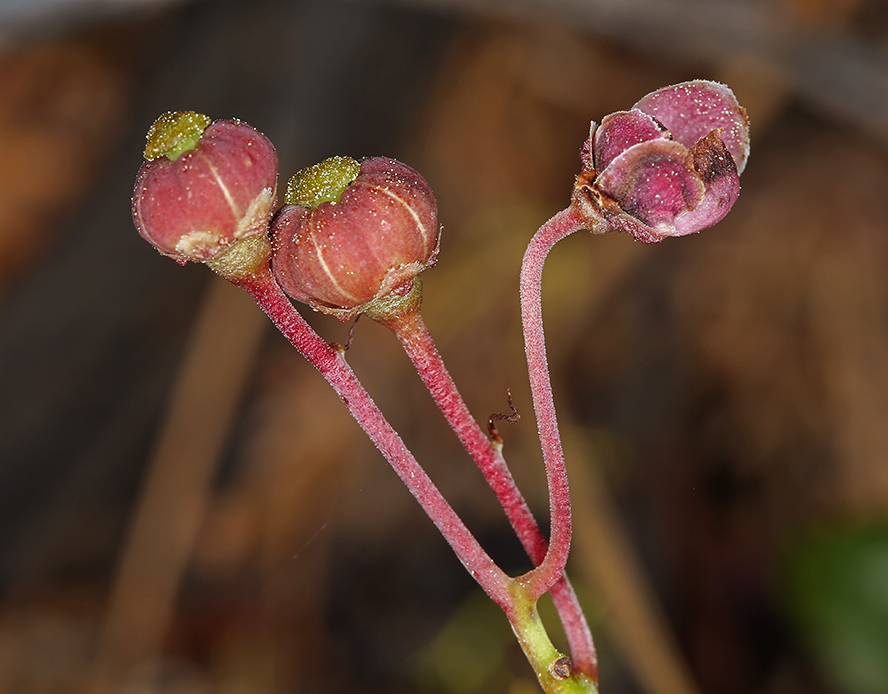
x: 669, y: 166
x: 204, y: 186
x: 354, y: 234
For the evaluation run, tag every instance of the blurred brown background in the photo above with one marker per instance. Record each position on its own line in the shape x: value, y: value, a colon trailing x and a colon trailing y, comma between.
x: 186, y: 507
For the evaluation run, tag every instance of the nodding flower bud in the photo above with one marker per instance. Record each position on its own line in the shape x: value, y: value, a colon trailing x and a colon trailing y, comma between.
x: 354, y: 234
x: 204, y: 186
x: 669, y: 166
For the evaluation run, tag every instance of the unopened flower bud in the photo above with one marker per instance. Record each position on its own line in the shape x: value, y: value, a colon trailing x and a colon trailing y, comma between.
x: 354, y: 234
x: 669, y: 166
x: 204, y: 186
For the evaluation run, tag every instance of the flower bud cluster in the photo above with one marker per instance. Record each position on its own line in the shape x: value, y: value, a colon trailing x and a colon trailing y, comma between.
x: 350, y: 234
x: 356, y: 234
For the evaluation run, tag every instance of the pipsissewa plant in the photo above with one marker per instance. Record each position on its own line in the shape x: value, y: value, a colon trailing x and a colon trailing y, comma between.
x: 354, y: 236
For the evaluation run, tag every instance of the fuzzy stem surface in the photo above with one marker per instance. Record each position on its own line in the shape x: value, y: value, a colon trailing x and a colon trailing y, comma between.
x: 330, y: 361
x: 558, y: 227
x: 554, y: 670
x: 411, y: 330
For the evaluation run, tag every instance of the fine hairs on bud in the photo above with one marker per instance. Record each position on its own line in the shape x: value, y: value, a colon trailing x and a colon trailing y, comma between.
x: 354, y: 234
x: 204, y: 186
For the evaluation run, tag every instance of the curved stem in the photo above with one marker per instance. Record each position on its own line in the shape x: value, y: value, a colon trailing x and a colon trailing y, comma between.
x: 561, y: 225
x: 515, y: 597
x: 332, y: 365
x: 410, y: 329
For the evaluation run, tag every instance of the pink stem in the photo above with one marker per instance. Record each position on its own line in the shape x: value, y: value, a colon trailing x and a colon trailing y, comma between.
x: 332, y: 365
x: 411, y: 330
x: 561, y: 225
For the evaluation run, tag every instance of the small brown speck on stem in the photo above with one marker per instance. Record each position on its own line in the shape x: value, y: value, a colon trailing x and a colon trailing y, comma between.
x: 561, y: 668
x: 508, y: 418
